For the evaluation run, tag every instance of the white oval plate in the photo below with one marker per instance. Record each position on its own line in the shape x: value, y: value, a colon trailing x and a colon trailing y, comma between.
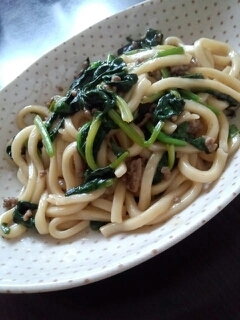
x: 34, y: 263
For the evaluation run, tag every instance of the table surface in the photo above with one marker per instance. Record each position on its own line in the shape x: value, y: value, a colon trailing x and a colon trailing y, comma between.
x: 198, y: 278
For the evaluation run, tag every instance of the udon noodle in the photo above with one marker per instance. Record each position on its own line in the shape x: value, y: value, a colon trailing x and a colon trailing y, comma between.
x: 140, y: 191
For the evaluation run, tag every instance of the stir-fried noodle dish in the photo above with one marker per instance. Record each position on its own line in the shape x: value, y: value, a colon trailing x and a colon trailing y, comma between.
x: 131, y: 143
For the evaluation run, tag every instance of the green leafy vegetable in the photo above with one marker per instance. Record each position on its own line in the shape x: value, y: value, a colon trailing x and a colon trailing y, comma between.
x: 81, y: 139
x: 90, y: 186
x: 100, y: 177
x: 186, y: 94
x: 126, y: 113
x: 95, y: 87
x: 217, y: 94
x: 117, y: 150
x: 9, y: 150
x: 171, y: 155
x: 193, y: 76
x: 233, y: 131
x: 224, y: 97
x: 45, y: 136
x: 98, y: 100
x: 105, y: 126
x: 53, y: 124
x: 112, y: 72
x: 88, y: 91
x: 5, y: 228
x: 132, y: 134
x: 168, y: 106
x: 165, y: 73
x: 161, y: 54
x: 100, y: 173
x: 158, y: 176
x: 96, y: 225
x: 67, y: 105
x: 150, y: 39
x: 167, y: 139
x: 183, y: 133
x: 152, y: 98
x: 92, y: 133
x: 18, y: 214
x: 169, y: 52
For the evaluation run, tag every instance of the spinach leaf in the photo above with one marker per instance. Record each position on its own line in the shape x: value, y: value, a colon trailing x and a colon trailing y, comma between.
x: 96, y: 225
x: 67, y: 105
x: 168, y: 105
x: 233, y: 131
x: 46, y: 139
x: 5, y: 228
x: 86, y: 76
x: 103, y: 130
x: 166, y: 138
x: 100, y: 173
x: 54, y: 131
x: 158, y: 176
x: 53, y: 124
x: 18, y: 214
x: 224, y: 97
x: 111, y: 67
x: 117, y: 150
x: 98, y: 100
x: 81, y: 138
x: 193, y: 76
x: 90, y: 186
x: 123, y: 83
x: 150, y: 39
x: 187, y: 94
x: 9, y: 150
x: 105, y: 72
x: 83, y: 133
x: 183, y: 133
x: 100, y: 177
x: 88, y: 90
x: 95, y: 89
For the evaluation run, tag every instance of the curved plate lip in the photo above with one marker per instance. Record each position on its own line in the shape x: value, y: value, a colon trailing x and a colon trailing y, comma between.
x: 148, y: 251
x: 148, y: 254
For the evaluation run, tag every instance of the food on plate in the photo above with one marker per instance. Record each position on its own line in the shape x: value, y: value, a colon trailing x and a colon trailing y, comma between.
x: 132, y: 142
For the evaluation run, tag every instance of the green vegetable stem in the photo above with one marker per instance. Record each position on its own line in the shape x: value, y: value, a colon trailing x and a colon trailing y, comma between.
x: 134, y: 135
x: 45, y: 136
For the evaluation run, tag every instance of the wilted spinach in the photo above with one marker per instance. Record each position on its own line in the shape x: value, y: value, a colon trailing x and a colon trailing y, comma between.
x: 150, y: 39
x: 18, y: 214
